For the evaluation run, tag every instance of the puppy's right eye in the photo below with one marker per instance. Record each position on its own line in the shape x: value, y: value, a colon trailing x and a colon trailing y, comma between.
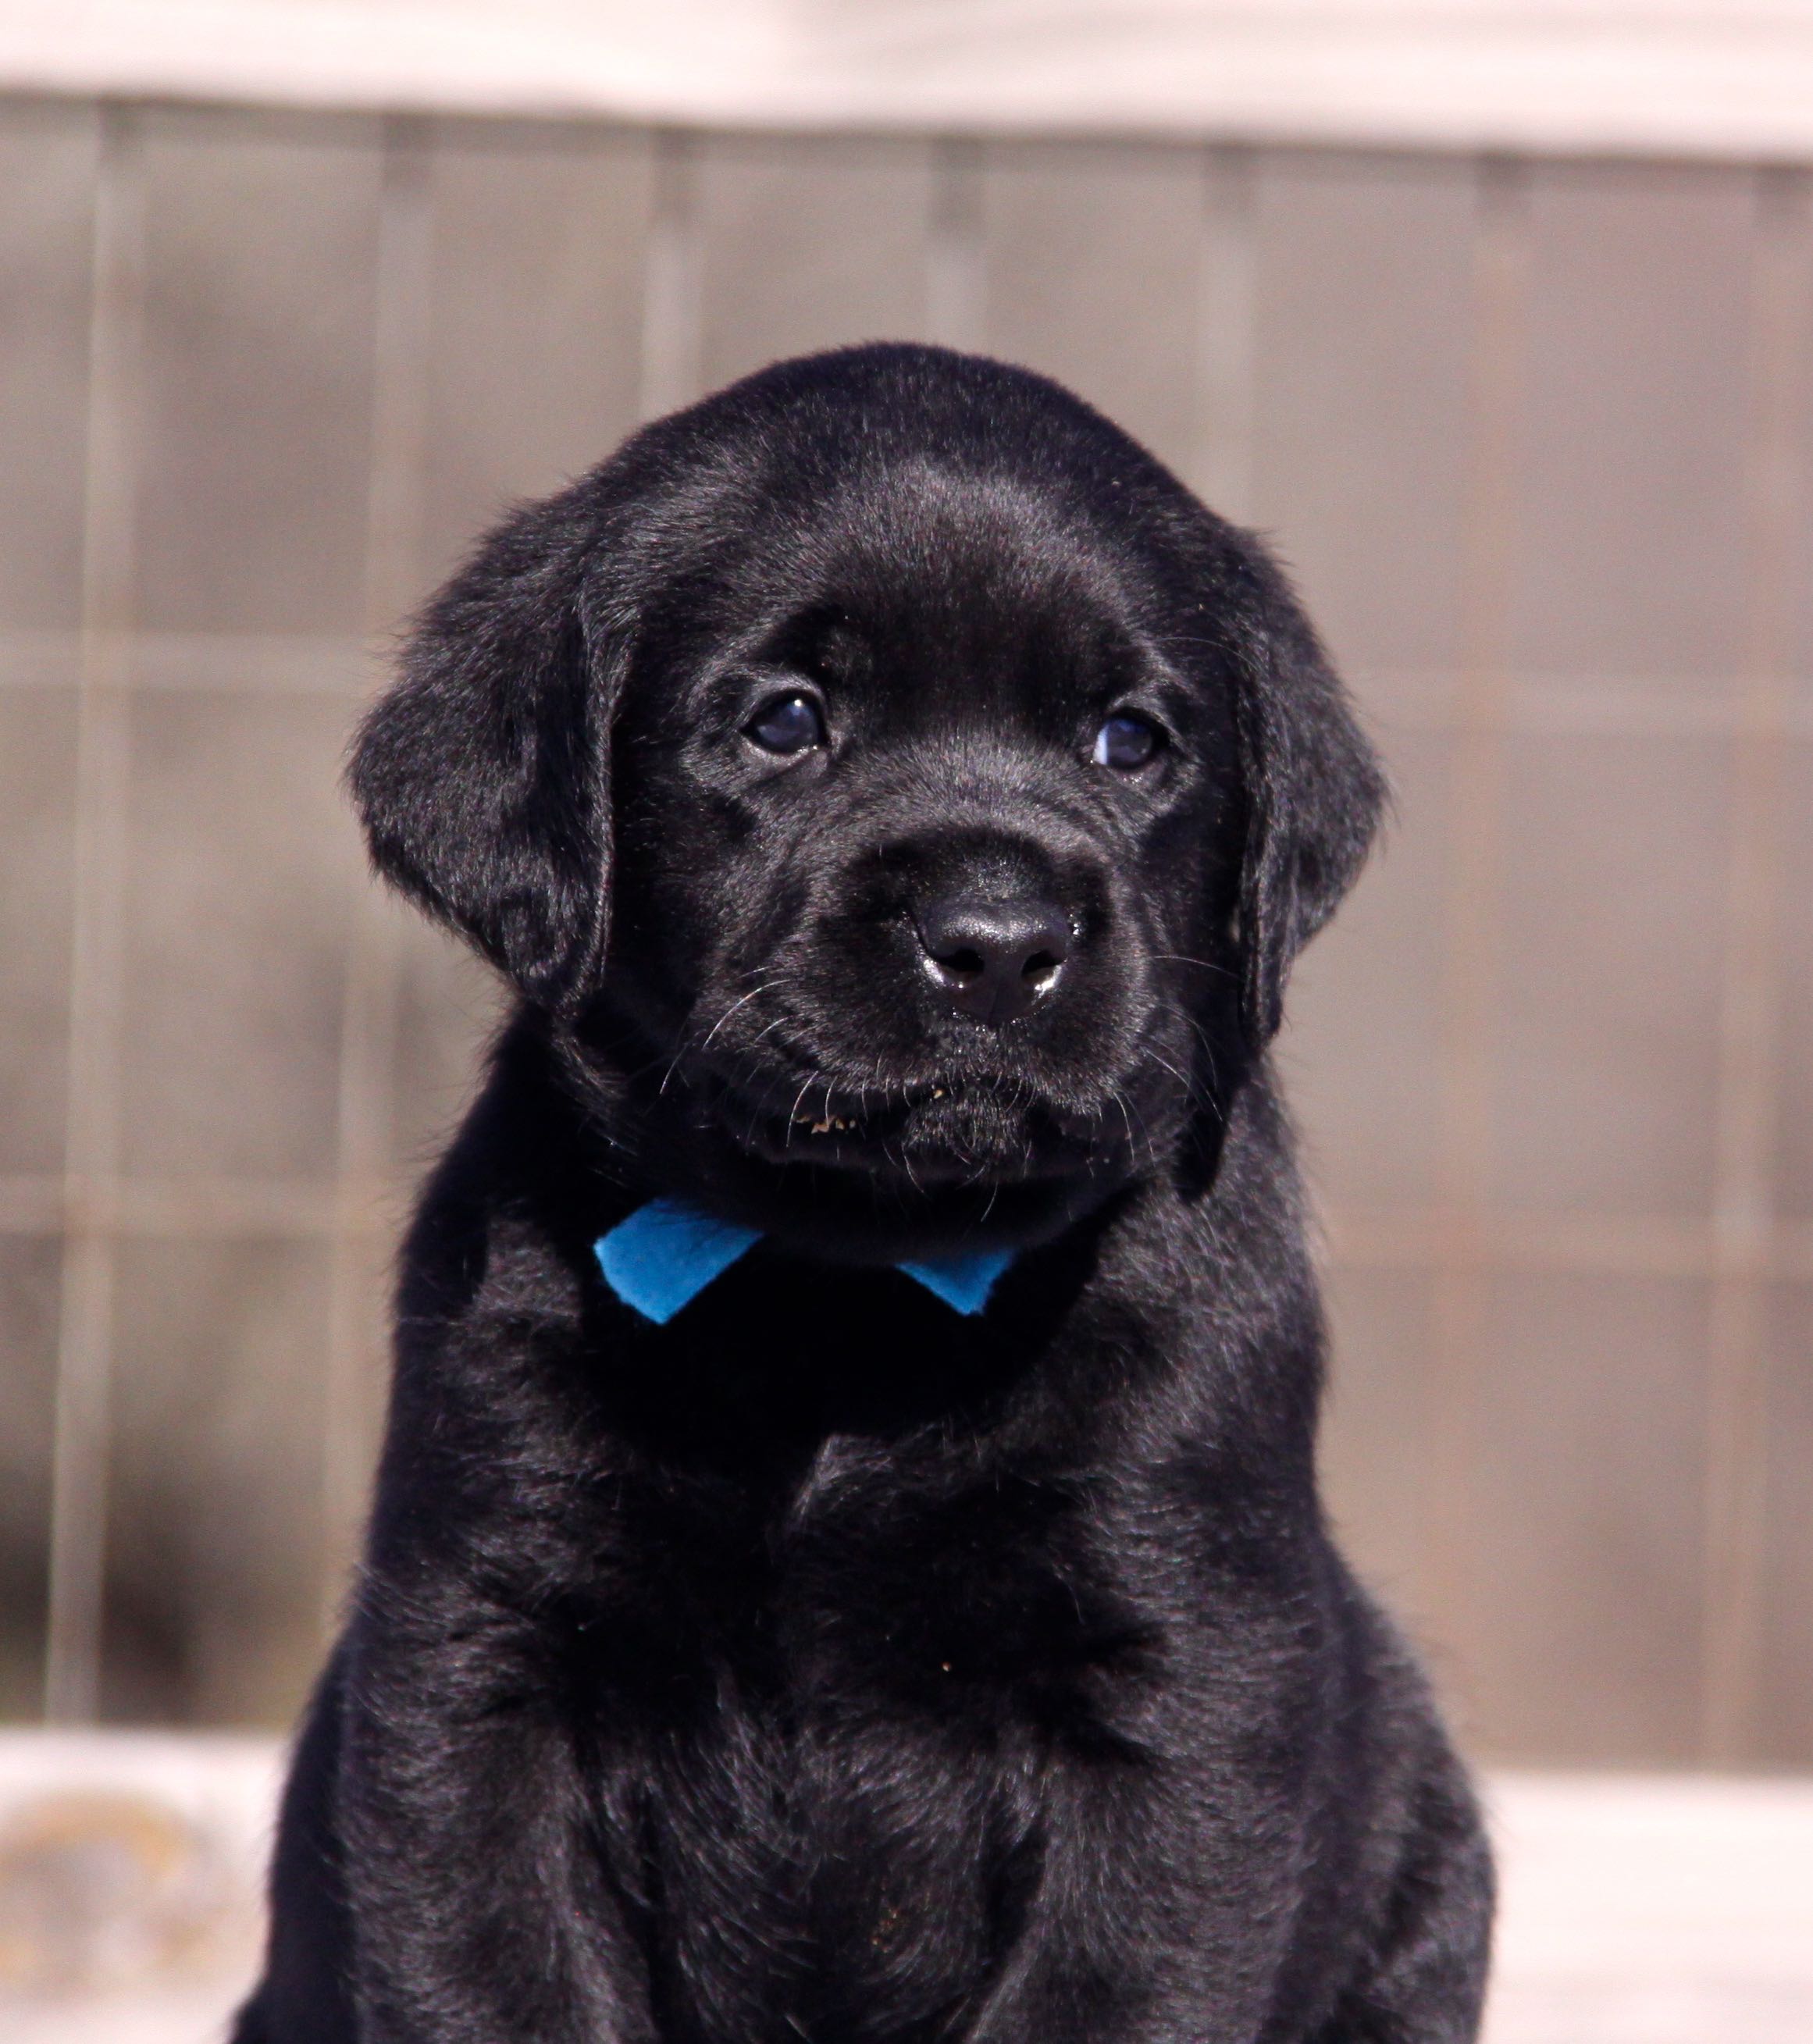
x: 788, y: 723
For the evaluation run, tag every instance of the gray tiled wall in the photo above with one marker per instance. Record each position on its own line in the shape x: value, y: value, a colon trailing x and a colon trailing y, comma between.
x: 1535, y: 438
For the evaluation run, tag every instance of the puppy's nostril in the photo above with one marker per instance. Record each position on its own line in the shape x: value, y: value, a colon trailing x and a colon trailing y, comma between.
x: 991, y: 960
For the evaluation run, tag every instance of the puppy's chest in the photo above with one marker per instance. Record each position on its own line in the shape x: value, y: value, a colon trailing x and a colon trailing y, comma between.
x: 839, y: 1711
x: 977, y: 1600
x: 840, y: 1877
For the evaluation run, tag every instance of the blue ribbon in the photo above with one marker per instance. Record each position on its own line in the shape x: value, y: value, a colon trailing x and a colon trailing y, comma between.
x: 667, y: 1253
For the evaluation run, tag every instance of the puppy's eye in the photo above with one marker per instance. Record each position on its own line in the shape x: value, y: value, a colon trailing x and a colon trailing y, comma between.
x: 1126, y: 742
x: 788, y: 723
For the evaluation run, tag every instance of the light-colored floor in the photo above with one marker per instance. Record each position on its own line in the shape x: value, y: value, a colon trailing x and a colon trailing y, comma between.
x: 1636, y: 1909
x: 130, y: 1868
x: 1652, y: 1909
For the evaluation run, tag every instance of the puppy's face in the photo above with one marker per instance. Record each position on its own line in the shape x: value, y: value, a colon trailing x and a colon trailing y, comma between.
x: 892, y: 780
x: 925, y: 848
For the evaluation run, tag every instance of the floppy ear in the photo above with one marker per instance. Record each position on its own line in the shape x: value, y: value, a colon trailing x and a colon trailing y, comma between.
x: 1315, y: 790
x: 481, y: 776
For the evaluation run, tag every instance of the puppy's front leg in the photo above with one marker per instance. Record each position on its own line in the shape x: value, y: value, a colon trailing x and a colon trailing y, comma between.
x: 1153, y: 1921
x: 482, y: 1907
x: 1423, y: 1981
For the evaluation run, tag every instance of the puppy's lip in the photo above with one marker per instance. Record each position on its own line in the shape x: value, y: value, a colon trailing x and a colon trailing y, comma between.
x: 856, y: 1118
x: 917, y: 1132
x: 916, y: 1164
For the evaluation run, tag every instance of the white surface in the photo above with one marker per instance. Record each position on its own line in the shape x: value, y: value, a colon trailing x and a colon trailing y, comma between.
x: 1705, y: 77
x: 1638, y: 1909
x: 132, y: 1869
x: 1653, y: 1909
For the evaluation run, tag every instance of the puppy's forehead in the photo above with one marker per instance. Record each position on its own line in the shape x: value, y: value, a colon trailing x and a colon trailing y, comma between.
x: 941, y: 574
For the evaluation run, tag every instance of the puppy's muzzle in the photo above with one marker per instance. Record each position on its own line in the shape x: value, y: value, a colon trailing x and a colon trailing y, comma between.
x: 991, y: 960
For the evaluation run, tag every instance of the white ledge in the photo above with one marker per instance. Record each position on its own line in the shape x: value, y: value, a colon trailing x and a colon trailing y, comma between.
x: 1694, y: 78
x: 1636, y: 1909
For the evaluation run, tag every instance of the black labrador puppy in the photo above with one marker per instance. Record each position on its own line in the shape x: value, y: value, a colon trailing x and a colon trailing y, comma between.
x: 845, y: 1563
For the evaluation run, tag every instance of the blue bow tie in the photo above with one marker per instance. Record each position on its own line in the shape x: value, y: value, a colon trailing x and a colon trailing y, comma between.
x: 667, y: 1253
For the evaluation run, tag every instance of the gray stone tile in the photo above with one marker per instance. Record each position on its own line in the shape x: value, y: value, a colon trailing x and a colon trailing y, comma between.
x: 29, y: 1272
x: 1363, y: 332
x: 1580, y: 1632
x: 261, y: 242
x: 534, y: 335
x: 1609, y: 972
x: 1092, y: 261
x: 1797, y: 456
x: 1794, y: 1040
x: 1377, y: 1449
x: 48, y: 161
x: 1361, y: 1048
x: 243, y: 864
x: 1631, y: 460
x: 450, y: 1004
x: 808, y: 244
x: 213, y: 1592
x: 1783, y: 1729
x: 37, y: 842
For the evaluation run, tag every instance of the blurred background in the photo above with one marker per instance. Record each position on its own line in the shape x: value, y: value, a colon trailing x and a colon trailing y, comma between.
x: 1518, y: 380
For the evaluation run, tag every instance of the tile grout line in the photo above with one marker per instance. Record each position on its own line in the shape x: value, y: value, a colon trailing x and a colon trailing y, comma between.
x: 956, y: 283
x: 672, y: 322
x: 1458, y: 1293
x: 84, y: 1361
x: 1222, y: 461
x: 365, y: 1111
x: 1743, y: 1200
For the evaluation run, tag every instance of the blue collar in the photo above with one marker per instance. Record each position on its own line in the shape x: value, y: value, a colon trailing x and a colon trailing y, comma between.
x: 667, y: 1253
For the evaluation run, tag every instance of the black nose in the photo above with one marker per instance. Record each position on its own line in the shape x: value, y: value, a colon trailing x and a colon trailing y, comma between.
x: 991, y: 960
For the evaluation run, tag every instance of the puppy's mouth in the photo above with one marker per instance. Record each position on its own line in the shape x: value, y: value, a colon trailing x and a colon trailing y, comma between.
x: 940, y: 1131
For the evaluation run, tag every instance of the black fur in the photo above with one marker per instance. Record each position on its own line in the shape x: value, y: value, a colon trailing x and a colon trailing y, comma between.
x: 824, y: 1665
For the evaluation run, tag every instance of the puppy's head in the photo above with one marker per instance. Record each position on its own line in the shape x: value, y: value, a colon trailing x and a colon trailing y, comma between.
x: 888, y: 779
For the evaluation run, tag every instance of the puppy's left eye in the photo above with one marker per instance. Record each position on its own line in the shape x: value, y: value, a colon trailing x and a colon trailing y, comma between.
x: 1126, y: 742
x: 788, y: 723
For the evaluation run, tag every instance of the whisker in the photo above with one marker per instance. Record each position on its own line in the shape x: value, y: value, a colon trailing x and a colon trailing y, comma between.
x: 1180, y: 958
x: 686, y: 1047
x: 1119, y: 1100
x: 793, y: 1112
x: 1196, y: 1028
x: 760, y: 986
